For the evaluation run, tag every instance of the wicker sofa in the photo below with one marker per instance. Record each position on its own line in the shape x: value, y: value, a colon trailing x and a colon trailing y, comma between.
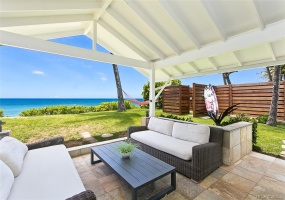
x: 47, y: 172
x: 205, y: 157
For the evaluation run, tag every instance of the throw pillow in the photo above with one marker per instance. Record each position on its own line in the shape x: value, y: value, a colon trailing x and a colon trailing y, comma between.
x: 12, y: 153
x: 190, y: 132
x: 6, y: 180
x: 160, y: 125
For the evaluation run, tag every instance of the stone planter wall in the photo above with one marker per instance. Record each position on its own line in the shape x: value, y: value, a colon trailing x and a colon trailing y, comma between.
x: 237, y: 142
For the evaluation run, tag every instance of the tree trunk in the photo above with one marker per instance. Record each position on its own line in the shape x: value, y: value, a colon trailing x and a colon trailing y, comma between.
x: 224, y: 78
x: 269, y: 73
x: 121, y: 104
x: 272, y: 118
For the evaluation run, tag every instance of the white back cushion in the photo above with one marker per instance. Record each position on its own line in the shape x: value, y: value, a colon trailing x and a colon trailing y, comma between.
x: 160, y: 125
x: 190, y: 132
x: 12, y: 153
x: 6, y: 180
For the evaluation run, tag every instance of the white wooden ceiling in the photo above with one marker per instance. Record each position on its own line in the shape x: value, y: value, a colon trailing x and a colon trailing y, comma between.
x: 182, y: 38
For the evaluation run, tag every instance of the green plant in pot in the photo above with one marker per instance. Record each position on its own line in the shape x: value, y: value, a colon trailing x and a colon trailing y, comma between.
x: 126, y: 148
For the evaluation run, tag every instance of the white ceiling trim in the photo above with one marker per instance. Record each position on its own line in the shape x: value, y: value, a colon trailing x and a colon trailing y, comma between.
x: 252, y: 38
x: 40, y: 5
x: 154, y: 26
x: 136, y: 33
x: 174, y: 13
x: 26, y: 42
x: 271, y: 51
x: 257, y: 14
x: 60, y: 34
x: 237, y: 58
x: 229, y: 69
x: 26, y: 21
x: 193, y: 66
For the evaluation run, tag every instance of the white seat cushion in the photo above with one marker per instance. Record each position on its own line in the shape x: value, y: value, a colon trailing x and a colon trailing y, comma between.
x: 48, y: 173
x: 192, y: 133
x: 179, y: 148
x: 12, y: 153
x: 160, y: 125
x: 6, y: 180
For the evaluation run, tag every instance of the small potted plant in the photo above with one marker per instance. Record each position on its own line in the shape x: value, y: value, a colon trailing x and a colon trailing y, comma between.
x: 126, y: 148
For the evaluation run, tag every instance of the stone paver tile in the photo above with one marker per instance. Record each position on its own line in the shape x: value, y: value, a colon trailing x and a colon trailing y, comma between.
x: 126, y: 192
x: 116, y: 194
x: 102, y: 170
x: 219, y: 173
x: 276, y: 175
x: 231, y: 167
x: 250, y: 175
x: 174, y: 195
x: 209, y: 180
x: 103, y: 197
x: 262, y: 156
x: 80, y: 164
x: 239, y: 182
x: 272, y: 183
x: 251, y: 197
x: 87, y: 160
x: 186, y: 187
x: 227, y: 191
x: 277, y: 167
x: 97, y: 188
x: 283, y: 141
x: 279, y: 162
x: 261, y: 192
x: 88, y: 176
x: 111, y: 182
x: 255, y: 164
x: 206, y: 194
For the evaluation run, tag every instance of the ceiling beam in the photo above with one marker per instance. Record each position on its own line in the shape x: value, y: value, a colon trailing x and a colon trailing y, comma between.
x: 43, y: 5
x: 271, y: 51
x: 165, y: 72
x: 153, y: 25
x: 123, y: 40
x: 213, y: 62
x: 135, y: 32
x: 54, y: 35
x: 177, y: 68
x: 26, y: 21
x: 252, y: 38
x: 214, y: 19
x: 237, y: 58
x: 257, y: 14
x: 26, y: 42
x: 193, y: 66
x: 228, y: 69
x: 174, y: 13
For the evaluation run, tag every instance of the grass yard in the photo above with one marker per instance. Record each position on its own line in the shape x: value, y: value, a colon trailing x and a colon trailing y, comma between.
x: 32, y: 129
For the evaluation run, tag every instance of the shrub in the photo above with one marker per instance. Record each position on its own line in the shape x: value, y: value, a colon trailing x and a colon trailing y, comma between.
x: 262, y: 119
x: 188, y: 119
x: 62, y: 109
x: 1, y: 113
x: 243, y: 117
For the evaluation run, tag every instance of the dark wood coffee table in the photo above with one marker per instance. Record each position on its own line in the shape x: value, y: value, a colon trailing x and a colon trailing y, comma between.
x: 138, y: 171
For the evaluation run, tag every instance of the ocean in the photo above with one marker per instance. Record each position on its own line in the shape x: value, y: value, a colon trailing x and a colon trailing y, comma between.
x: 13, y: 107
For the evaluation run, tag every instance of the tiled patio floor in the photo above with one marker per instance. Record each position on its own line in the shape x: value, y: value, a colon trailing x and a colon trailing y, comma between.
x: 255, y: 176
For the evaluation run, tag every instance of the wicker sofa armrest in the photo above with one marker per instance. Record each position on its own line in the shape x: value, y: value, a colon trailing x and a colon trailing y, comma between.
x: 86, y: 195
x: 46, y: 143
x: 132, y: 129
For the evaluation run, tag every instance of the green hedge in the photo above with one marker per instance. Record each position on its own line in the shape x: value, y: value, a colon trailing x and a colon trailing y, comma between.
x: 1, y: 113
x: 245, y: 118
x: 62, y: 109
x: 188, y: 119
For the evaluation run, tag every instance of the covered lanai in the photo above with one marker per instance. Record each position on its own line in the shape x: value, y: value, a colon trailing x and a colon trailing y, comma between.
x: 162, y: 39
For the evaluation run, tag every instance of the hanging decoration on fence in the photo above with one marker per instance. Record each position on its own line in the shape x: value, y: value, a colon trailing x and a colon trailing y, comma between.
x: 211, y: 101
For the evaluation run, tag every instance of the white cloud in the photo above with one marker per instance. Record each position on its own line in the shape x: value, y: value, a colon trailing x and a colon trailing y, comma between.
x: 38, y: 72
x: 103, y: 76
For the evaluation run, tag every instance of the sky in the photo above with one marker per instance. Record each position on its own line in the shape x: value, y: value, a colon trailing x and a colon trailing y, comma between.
x: 30, y: 74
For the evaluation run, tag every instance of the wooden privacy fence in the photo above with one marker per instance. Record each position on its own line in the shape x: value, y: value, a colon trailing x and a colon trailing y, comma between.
x: 253, y: 99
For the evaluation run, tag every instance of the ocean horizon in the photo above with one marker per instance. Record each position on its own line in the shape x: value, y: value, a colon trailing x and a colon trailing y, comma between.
x: 12, y: 107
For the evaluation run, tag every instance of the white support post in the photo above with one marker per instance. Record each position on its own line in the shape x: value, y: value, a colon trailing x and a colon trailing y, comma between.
x: 94, y: 39
x: 152, y: 91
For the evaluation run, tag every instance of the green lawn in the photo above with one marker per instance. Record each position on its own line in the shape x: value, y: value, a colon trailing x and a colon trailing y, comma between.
x: 31, y: 129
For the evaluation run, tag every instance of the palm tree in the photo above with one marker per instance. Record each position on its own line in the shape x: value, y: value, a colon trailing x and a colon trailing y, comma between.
x: 226, y: 77
x: 272, y: 119
x: 121, y: 104
x: 269, y: 72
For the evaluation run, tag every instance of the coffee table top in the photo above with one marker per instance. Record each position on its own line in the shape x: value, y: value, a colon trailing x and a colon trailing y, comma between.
x: 138, y: 170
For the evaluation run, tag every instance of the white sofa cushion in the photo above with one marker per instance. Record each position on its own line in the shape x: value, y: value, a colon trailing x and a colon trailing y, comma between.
x: 12, y: 153
x: 6, y: 180
x: 179, y: 148
x: 160, y: 125
x: 192, y: 133
x: 48, y: 173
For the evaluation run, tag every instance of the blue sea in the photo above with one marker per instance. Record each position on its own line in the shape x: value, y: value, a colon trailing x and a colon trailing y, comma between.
x: 13, y: 107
